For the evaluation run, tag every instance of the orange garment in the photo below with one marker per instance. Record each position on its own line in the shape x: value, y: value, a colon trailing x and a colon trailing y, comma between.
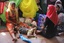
x: 10, y: 25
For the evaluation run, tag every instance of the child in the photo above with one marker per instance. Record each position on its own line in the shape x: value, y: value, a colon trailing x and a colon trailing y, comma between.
x: 32, y: 31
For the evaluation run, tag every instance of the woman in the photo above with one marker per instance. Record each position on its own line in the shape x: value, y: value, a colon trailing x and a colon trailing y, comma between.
x: 51, y: 22
x: 58, y: 2
x: 59, y: 9
x: 11, y: 19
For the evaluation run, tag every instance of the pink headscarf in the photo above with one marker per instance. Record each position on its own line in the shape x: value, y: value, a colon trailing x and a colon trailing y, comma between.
x: 51, y: 14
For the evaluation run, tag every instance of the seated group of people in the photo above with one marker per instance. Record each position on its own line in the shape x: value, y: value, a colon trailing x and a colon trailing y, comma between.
x: 50, y: 23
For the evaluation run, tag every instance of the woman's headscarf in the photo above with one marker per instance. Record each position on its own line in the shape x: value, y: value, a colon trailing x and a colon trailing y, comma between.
x: 61, y: 7
x: 9, y: 5
x: 10, y: 9
x: 52, y: 14
x: 59, y: 3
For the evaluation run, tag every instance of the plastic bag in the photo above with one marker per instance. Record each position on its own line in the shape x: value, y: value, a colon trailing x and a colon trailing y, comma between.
x: 24, y: 39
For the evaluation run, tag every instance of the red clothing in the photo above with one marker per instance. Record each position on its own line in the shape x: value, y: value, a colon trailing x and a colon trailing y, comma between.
x: 52, y: 15
x: 11, y: 17
x: 10, y: 25
x: 2, y: 4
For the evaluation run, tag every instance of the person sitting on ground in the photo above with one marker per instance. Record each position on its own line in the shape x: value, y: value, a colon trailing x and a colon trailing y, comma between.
x: 12, y: 19
x: 50, y: 23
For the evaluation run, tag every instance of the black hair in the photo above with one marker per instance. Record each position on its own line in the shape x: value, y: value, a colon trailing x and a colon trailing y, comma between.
x: 58, y: 6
